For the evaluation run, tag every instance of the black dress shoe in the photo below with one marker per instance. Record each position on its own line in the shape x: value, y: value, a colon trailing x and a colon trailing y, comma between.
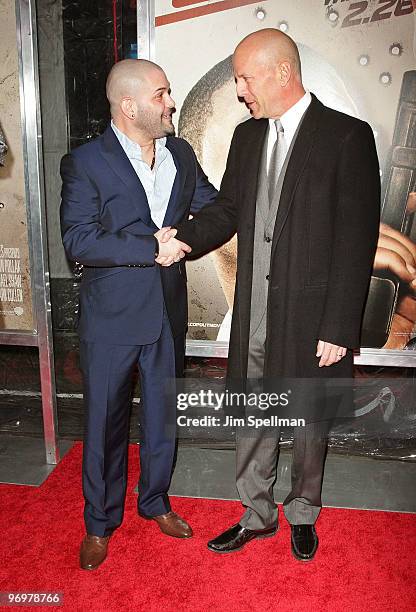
x: 304, y: 542
x: 236, y: 537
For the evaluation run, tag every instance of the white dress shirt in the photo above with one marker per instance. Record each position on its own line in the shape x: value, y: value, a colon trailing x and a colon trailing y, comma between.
x: 290, y: 121
x: 158, y: 182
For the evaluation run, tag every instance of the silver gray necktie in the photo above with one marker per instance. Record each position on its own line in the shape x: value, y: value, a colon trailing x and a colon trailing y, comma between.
x: 277, y: 159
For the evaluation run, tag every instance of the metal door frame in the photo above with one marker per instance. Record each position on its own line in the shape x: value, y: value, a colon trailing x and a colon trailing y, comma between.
x: 41, y: 335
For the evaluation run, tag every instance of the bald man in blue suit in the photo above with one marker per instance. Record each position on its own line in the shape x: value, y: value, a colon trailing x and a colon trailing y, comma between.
x: 118, y: 190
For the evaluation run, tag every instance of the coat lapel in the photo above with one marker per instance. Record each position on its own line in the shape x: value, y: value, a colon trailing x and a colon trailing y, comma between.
x: 251, y: 156
x: 114, y: 154
x: 253, y: 149
x: 297, y: 163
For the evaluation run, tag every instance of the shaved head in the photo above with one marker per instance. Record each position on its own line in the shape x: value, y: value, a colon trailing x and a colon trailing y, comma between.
x: 267, y: 73
x: 140, y: 102
x: 271, y: 46
x: 126, y: 78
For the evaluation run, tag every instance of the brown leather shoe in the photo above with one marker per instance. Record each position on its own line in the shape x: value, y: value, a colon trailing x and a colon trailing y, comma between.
x: 93, y: 551
x: 173, y: 525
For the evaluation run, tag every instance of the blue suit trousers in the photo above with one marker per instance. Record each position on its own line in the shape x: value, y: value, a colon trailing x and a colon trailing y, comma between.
x: 107, y: 371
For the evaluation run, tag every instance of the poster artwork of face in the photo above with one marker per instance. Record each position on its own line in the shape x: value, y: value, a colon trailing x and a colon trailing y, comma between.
x: 357, y: 60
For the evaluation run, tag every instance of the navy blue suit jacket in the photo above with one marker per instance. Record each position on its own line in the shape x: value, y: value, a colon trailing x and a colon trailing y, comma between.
x: 107, y: 227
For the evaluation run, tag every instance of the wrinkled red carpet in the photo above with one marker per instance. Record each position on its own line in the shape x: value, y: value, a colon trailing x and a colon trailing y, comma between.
x: 366, y: 560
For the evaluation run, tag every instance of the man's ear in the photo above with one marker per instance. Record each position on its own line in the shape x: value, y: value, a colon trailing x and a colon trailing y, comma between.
x: 285, y: 71
x: 128, y: 108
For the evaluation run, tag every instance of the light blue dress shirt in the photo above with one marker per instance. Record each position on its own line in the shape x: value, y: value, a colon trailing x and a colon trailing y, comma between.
x: 158, y: 182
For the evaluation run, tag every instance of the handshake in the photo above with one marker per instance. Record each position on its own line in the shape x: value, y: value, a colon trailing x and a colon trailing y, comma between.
x: 170, y: 250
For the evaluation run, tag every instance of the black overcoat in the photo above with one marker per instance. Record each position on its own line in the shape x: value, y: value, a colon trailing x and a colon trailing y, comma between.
x: 323, y: 246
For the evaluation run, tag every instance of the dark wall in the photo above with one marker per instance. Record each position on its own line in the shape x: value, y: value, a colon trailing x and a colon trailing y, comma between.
x: 96, y: 35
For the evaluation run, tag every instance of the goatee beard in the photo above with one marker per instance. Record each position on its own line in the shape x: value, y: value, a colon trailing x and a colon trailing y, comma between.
x: 170, y: 131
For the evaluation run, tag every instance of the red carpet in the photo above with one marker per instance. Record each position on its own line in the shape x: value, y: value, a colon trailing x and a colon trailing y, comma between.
x: 366, y: 560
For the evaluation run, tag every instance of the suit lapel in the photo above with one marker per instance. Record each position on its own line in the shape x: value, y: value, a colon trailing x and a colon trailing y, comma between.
x: 175, y: 205
x: 114, y: 154
x: 296, y: 165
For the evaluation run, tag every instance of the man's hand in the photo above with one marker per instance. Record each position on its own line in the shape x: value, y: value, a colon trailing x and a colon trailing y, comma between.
x: 165, y: 234
x: 170, y: 249
x: 329, y: 353
x: 397, y: 253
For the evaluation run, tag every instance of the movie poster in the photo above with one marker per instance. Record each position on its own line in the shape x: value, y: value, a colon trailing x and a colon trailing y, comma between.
x: 15, y: 283
x: 357, y: 57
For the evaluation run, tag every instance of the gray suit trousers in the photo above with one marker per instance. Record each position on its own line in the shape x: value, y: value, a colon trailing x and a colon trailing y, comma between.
x: 257, y: 456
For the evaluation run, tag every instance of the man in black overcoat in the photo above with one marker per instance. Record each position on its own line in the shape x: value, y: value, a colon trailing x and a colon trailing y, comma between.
x: 301, y: 189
